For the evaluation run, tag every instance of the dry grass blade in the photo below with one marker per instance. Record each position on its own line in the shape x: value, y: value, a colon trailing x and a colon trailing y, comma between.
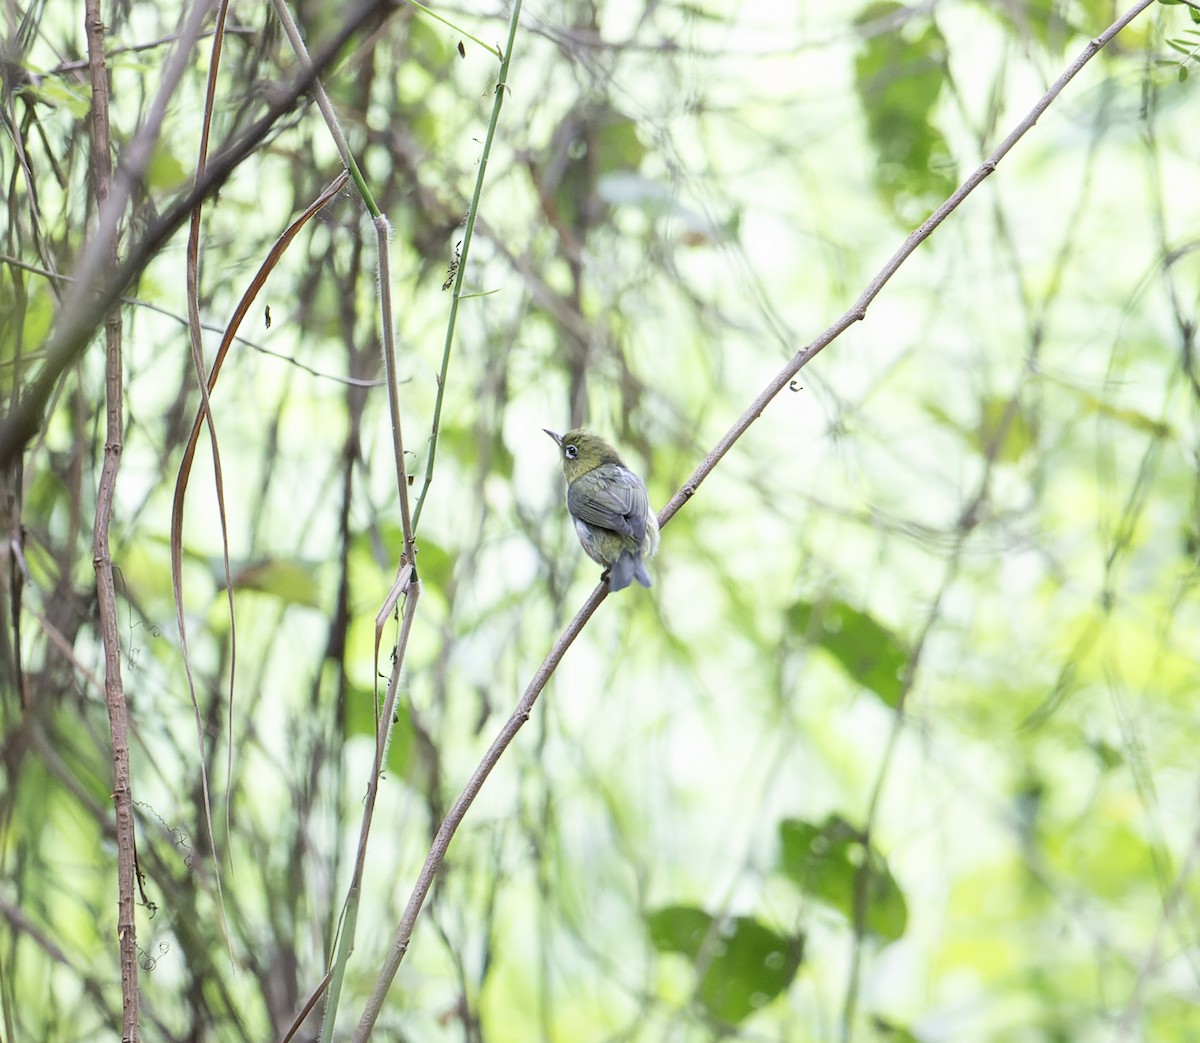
x: 189, y: 454
x: 97, y: 287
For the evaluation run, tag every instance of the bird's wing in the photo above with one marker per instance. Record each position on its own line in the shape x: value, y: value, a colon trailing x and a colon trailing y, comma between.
x: 614, y: 498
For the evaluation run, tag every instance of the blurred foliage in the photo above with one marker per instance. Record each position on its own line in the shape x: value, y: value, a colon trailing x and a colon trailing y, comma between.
x: 867, y: 651
x: 900, y: 72
x: 833, y: 863
x: 743, y: 965
x: 900, y: 745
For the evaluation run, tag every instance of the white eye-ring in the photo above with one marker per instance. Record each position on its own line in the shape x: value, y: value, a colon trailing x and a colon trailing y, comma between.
x: 570, y: 452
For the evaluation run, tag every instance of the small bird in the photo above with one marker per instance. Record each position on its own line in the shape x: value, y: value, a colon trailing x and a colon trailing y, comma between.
x: 610, y: 507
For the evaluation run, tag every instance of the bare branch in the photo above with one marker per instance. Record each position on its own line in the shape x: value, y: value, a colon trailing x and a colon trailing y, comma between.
x: 520, y: 715
x: 83, y: 311
x: 106, y: 595
x: 445, y: 834
x: 858, y: 311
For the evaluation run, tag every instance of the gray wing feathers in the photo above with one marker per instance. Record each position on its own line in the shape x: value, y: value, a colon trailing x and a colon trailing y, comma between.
x: 616, y: 500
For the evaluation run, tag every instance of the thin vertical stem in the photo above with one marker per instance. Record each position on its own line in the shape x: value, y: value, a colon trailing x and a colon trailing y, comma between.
x: 468, y: 235
x: 114, y: 690
x: 445, y: 834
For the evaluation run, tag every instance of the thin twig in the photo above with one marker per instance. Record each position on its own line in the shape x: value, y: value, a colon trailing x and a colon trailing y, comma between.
x: 407, y: 582
x: 196, y: 342
x: 492, y: 49
x: 142, y: 48
x: 77, y: 319
x: 296, y: 39
x: 441, y: 842
x: 208, y: 327
x: 383, y: 732
x: 305, y: 1010
x: 407, y: 521
x: 520, y: 715
x: 450, y: 825
x: 106, y: 595
x: 330, y: 192
x: 461, y: 271
x: 858, y: 311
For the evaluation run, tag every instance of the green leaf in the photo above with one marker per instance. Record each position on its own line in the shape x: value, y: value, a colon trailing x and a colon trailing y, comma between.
x: 679, y: 928
x: 1097, y: 405
x: 55, y: 91
x: 1109, y: 756
x: 358, y: 718
x: 831, y: 864
x: 743, y: 964
x: 891, y: 1032
x: 867, y: 651
x: 596, y: 141
x: 1192, y: 12
x: 289, y: 580
x: 618, y: 146
x: 1047, y: 21
x: 1005, y: 433
x: 39, y: 316
x: 435, y: 565
x: 165, y: 172
x: 899, y: 75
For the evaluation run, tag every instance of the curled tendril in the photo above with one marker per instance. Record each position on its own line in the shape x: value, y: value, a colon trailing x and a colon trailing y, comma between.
x: 148, y: 962
x: 794, y: 386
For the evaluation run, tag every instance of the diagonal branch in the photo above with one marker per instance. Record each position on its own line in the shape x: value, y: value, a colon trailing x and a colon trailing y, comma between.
x: 856, y: 313
x: 858, y: 310
x: 441, y: 842
x: 96, y: 293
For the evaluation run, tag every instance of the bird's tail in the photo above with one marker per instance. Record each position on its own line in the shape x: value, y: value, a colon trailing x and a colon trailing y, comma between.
x: 625, y: 570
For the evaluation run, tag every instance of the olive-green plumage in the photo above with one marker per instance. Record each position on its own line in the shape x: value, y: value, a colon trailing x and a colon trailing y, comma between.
x: 609, y: 505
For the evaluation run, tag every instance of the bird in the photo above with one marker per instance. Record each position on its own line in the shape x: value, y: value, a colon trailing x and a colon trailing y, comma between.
x: 609, y: 506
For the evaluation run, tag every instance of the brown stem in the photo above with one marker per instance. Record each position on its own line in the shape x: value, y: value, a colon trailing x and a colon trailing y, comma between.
x: 77, y: 318
x: 106, y: 596
x: 441, y: 842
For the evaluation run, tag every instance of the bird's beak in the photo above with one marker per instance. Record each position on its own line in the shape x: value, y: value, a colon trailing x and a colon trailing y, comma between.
x: 557, y: 438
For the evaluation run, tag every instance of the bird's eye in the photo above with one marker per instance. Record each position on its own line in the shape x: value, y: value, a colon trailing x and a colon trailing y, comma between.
x: 570, y: 451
